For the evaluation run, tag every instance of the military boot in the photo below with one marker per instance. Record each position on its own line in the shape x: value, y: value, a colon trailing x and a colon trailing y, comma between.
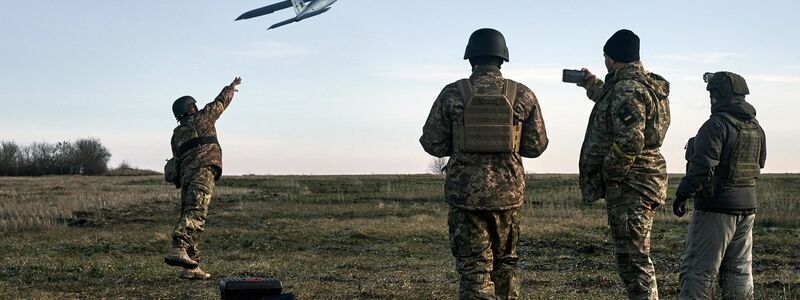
x: 195, y: 273
x: 177, y: 257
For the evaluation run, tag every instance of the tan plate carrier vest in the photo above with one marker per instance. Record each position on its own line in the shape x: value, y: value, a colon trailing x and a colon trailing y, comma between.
x: 489, y: 125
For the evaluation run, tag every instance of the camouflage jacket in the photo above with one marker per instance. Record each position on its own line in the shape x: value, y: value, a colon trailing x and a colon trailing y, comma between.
x: 625, y: 131
x: 201, y: 124
x: 484, y: 181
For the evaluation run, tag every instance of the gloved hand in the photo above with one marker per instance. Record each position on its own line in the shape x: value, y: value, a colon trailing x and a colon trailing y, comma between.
x: 679, y: 205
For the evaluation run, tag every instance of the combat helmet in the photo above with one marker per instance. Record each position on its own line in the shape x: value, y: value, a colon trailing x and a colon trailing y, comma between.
x: 181, y: 106
x: 726, y: 84
x: 486, y: 42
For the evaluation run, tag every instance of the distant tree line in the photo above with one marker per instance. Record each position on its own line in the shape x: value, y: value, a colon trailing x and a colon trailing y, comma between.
x: 81, y: 157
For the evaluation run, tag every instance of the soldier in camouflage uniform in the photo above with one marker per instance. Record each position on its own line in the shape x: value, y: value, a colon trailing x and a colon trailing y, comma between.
x: 194, y: 144
x: 620, y: 158
x: 724, y: 163
x: 484, y: 189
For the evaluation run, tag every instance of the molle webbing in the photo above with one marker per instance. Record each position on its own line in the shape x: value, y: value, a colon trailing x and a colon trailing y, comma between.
x: 196, y: 142
x: 488, y: 125
x: 743, y: 168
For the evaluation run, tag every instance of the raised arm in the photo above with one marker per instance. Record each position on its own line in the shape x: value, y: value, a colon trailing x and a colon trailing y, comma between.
x: 593, y: 86
x: 215, y: 108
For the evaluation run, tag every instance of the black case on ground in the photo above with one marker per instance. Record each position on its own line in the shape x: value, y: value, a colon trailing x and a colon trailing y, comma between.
x: 252, y: 288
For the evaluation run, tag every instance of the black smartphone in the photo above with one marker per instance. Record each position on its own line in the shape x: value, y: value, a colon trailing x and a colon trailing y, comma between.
x: 573, y: 76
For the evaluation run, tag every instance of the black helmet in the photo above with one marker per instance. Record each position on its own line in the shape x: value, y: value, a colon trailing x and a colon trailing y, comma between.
x: 486, y: 42
x: 727, y: 84
x: 181, y: 106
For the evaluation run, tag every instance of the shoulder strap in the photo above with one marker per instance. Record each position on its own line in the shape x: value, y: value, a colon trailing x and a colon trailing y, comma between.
x: 465, y: 88
x: 196, y: 142
x: 511, y: 91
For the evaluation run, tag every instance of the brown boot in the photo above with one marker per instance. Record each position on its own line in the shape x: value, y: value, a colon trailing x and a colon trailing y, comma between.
x: 177, y: 257
x: 195, y: 273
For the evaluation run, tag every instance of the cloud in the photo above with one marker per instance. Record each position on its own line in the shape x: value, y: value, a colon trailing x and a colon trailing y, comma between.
x: 263, y: 50
x: 704, y: 58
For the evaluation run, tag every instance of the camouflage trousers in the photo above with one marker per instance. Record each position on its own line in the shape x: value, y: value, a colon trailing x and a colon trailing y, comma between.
x: 630, y: 218
x: 718, y: 245
x: 196, y: 190
x: 484, y: 244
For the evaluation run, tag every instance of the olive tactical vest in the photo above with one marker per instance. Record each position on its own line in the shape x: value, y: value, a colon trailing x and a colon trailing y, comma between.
x: 743, y: 168
x: 488, y: 125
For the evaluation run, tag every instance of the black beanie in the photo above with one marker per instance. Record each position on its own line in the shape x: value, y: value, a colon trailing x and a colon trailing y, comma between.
x: 623, y: 46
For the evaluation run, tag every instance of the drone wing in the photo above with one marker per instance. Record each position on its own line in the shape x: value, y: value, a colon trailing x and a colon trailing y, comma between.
x: 298, y: 19
x: 279, y: 24
x: 267, y: 9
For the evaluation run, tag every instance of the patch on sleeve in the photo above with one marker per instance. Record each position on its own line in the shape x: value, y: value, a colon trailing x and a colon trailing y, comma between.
x: 626, y: 115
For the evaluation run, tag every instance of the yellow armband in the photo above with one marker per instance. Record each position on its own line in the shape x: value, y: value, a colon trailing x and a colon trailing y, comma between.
x: 618, y: 151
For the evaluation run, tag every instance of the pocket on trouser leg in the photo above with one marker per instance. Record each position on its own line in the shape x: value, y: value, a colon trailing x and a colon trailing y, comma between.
x: 614, y: 197
x: 468, y: 235
x: 455, y: 234
x: 193, y: 225
x: 640, y: 224
x: 618, y: 224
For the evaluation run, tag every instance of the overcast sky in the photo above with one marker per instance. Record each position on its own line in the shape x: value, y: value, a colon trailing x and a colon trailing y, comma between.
x: 348, y: 92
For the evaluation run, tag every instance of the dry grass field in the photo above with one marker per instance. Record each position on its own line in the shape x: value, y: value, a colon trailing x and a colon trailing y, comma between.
x: 335, y: 237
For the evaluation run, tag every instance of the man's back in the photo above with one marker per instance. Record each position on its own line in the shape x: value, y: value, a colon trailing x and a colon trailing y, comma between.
x: 712, y: 158
x: 491, y: 181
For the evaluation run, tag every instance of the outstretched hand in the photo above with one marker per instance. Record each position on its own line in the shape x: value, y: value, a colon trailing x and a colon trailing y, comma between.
x: 236, y: 81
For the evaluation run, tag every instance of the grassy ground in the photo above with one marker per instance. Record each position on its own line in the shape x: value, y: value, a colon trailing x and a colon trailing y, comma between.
x: 335, y: 237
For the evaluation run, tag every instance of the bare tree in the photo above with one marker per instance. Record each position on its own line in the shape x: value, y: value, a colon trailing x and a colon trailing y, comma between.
x: 9, y: 151
x: 125, y: 165
x: 24, y: 164
x: 438, y: 165
x: 65, y: 158
x: 92, y: 156
x: 42, y: 159
x: 85, y: 156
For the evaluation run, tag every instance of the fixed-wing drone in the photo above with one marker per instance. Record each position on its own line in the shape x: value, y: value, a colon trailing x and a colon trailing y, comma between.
x: 303, y: 8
